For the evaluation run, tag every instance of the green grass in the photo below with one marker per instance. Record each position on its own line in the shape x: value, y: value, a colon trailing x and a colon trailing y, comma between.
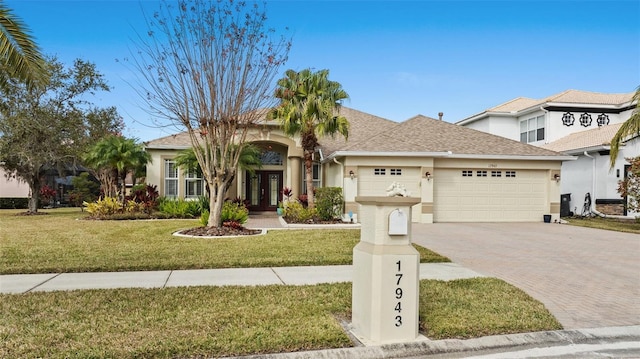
x: 611, y: 224
x: 59, y: 242
x: 226, y: 321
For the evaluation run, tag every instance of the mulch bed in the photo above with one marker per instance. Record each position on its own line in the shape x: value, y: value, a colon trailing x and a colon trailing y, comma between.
x: 219, y: 231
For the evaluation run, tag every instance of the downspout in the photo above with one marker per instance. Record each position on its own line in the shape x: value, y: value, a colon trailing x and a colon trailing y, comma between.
x: 593, y: 186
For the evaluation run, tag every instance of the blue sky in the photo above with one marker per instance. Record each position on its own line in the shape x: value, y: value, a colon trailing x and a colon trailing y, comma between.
x: 396, y: 59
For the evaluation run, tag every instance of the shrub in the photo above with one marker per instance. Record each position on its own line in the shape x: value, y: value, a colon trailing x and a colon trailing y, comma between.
x: 204, y: 218
x: 179, y: 208
x: 296, y: 212
x: 329, y: 202
x: 110, y: 206
x: 47, y: 194
x: 234, y: 212
x: 84, y: 190
x: 146, y: 196
x: 14, y: 203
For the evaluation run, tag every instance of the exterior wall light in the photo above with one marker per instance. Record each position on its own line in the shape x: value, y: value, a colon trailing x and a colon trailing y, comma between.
x: 556, y: 177
x: 351, y: 174
x: 428, y: 175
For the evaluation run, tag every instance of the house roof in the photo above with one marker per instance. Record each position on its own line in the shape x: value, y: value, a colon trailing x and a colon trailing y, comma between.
x: 176, y: 141
x: 583, y: 140
x: 419, y: 134
x: 425, y: 134
x: 362, y: 126
x: 576, y: 97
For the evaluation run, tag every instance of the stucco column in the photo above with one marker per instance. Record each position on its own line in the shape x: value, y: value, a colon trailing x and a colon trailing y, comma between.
x: 295, y: 168
x: 386, y: 269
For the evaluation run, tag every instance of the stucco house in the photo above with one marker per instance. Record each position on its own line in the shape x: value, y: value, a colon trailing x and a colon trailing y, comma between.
x: 460, y: 174
x: 576, y: 123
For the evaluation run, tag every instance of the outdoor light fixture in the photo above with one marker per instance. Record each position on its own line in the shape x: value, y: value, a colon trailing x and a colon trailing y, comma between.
x: 428, y: 175
x: 556, y: 177
x: 351, y: 174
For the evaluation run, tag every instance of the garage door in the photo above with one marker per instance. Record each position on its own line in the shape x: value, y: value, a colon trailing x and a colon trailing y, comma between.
x: 374, y: 181
x: 489, y: 195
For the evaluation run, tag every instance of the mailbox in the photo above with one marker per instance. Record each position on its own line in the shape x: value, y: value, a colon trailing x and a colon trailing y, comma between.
x: 398, y: 223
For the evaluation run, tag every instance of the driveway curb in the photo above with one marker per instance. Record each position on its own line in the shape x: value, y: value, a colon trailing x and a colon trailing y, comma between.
x: 470, y: 346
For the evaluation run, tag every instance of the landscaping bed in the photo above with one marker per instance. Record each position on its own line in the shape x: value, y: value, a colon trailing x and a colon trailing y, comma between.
x: 608, y: 223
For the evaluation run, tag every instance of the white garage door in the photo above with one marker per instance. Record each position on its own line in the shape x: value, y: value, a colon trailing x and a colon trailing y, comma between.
x: 489, y: 195
x: 374, y: 181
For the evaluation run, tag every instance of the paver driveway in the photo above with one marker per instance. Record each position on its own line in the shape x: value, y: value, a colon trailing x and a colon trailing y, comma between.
x: 586, y: 277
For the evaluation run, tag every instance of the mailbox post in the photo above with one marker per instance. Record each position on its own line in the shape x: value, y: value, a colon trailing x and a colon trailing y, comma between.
x: 386, y: 272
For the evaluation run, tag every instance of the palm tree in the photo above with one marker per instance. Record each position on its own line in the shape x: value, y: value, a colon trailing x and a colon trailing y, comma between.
x: 309, y: 102
x: 629, y: 128
x: 115, y: 157
x: 20, y: 57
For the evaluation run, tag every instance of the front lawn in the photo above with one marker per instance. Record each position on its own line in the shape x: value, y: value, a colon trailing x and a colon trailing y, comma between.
x: 611, y: 224
x: 225, y: 321
x: 60, y: 242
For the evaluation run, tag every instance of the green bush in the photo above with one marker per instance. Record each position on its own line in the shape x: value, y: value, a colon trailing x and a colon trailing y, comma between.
x: 110, y: 206
x: 179, y: 208
x: 14, y: 203
x: 204, y: 218
x: 296, y: 212
x: 84, y: 189
x: 329, y: 202
x: 234, y: 212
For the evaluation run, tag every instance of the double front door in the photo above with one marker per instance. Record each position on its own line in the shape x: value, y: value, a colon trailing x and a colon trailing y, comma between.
x: 263, y: 190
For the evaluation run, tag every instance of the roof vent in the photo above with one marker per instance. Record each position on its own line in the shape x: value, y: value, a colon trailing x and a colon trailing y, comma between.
x: 440, y: 114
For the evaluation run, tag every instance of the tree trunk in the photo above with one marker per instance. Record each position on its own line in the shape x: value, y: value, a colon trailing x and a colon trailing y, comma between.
x: 34, y: 186
x: 216, y: 200
x: 308, y: 169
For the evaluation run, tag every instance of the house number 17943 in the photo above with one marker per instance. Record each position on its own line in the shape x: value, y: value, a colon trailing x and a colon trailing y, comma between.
x: 398, y: 294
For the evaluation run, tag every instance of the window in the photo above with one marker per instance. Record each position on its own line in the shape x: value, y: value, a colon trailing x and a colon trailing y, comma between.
x: 316, y: 177
x: 271, y: 158
x: 193, y: 184
x: 603, y: 119
x: 467, y: 173
x: 585, y: 120
x: 170, y: 178
x: 395, y: 171
x: 481, y: 174
x: 496, y: 173
x: 379, y: 171
x: 510, y: 173
x: 532, y: 130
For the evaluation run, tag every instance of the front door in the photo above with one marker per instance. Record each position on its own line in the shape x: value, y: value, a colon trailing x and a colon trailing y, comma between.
x: 263, y: 190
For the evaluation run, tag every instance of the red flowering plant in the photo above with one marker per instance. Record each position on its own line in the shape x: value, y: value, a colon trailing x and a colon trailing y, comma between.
x: 47, y: 194
x: 287, y: 193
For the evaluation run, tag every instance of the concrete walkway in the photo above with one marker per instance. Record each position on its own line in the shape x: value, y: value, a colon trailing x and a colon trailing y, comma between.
x: 24, y: 283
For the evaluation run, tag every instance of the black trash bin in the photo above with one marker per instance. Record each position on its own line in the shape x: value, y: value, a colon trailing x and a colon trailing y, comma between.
x: 565, y: 205
x: 547, y: 218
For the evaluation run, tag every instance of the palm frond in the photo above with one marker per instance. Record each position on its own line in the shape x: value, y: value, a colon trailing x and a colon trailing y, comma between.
x: 629, y: 128
x: 20, y: 56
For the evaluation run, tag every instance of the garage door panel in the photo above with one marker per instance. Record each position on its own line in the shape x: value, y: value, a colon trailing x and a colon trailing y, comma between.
x: 489, y: 199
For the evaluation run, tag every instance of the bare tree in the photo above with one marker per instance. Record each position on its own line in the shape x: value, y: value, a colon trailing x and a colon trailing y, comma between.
x: 209, y: 67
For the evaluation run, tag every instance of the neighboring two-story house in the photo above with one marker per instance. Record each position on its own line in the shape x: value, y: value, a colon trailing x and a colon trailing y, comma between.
x: 577, y: 123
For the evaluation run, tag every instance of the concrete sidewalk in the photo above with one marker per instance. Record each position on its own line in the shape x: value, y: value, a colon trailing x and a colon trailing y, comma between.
x: 24, y: 283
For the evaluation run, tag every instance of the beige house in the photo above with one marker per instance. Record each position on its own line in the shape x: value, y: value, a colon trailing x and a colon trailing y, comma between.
x: 460, y: 174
